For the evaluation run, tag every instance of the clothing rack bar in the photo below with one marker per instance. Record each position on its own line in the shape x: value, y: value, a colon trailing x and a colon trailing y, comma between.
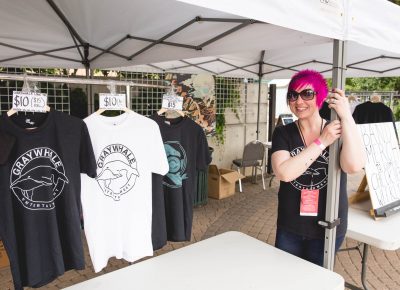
x: 68, y: 80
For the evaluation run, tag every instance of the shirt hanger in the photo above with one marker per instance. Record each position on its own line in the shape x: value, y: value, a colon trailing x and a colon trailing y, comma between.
x: 112, y: 88
x: 12, y: 111
x: 164, y: 110
x: 26, y: 88
x: 125, y: 109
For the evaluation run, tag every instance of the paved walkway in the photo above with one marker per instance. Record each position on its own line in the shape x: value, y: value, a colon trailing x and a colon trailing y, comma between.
x: 253, y: 212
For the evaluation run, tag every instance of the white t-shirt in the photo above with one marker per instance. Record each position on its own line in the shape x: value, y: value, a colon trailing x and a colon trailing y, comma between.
x: 117, y: 204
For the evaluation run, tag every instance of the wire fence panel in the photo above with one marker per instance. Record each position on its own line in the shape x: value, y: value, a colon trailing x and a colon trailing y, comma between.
x: 58, y: 94
x: 229, y: 92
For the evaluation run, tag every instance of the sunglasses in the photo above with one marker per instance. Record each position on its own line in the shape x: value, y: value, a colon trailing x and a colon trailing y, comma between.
x: 306, y: 95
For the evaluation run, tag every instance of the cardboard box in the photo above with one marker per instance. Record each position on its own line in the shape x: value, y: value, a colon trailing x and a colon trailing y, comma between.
x: 221, y: 182
x: 3, y: 256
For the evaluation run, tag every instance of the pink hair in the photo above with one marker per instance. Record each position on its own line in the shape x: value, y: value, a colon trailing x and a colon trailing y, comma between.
x: 313, y: 78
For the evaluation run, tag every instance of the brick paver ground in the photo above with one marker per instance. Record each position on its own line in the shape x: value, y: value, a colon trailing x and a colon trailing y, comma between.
x: 252, y: 212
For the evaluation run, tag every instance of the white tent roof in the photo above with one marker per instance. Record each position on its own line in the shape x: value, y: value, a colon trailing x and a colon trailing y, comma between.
x: 282, y: 63
x: 43, y: 33
x: 373, y: 23
x: 371, y: 32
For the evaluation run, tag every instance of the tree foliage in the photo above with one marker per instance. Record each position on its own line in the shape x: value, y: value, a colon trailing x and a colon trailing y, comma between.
x: 371, y: 84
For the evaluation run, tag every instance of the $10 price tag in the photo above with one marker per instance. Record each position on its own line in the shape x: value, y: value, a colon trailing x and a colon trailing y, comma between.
x: 112, y: 102
x: 29, y: 102
x: 172, y: 102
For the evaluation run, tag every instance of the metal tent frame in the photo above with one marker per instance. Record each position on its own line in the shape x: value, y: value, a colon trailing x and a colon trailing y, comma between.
x: 83, y: 47
x: 81, y: 44
x: 293, y: 67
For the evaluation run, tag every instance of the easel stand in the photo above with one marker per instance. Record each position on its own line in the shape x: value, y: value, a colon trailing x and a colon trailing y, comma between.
x: 360, y: 195
x: 363, y: 195
x: 388, y: 210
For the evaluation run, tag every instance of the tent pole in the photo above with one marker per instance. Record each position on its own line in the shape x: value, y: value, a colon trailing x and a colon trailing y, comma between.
x: 91, y: 72
x: 333, y: 191
x: 89, y: 103
x: 271, y: 120
x: 258, y: 106
x: 260, y: 75
x: 128, y: 96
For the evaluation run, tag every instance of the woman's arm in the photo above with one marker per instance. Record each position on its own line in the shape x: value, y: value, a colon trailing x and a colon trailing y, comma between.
x: 288, y: 168
x: 352, y: 155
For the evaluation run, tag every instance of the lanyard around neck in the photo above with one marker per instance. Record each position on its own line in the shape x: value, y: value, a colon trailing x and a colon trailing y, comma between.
x: 301, y: 133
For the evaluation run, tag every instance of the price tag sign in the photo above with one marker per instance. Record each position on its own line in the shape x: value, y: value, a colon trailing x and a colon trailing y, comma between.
x: 172, y: 102
x: 29, y: 102
x: 112, y: 102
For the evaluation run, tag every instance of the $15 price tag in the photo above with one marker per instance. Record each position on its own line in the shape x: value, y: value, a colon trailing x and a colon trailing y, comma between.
x: 172, y: 102
x: 112, y: 102
x: 29, y: 102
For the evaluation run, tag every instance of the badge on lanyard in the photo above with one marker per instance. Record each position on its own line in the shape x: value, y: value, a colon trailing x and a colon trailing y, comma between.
x: 309, y: 197
x: 309, y: 202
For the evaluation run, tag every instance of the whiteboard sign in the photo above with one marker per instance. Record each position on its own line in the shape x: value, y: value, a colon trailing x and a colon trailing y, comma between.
x: 112, y: 101
x: 172, y: 102
x: 29, y: 102
x: 383, y: 163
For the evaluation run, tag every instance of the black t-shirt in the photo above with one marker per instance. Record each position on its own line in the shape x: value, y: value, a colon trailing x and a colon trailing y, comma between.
x: 325, y: 112
x: 288, y: 138
x: 187, y: 151
x: 369, y: 112
x: 6, y: 144
x: 40, y: 205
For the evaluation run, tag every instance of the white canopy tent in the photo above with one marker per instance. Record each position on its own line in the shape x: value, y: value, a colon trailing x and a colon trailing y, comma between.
x: 123, y: 34
x: 284, y: 37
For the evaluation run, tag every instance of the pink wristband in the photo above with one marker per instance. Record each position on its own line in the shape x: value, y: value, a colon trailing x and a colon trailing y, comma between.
x: 319, y: 143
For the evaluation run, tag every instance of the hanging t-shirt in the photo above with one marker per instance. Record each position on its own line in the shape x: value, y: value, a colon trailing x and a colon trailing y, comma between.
x: 40, y: 205
x: 288, y: 138
x: 6, y: 144
x: 117, y: 205
x: 369, y: 112
x: 325, y: 111
x: 187, y: 151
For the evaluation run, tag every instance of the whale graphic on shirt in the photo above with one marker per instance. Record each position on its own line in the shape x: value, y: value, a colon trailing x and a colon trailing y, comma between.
x: 37, y: 177
x: 115, y: 170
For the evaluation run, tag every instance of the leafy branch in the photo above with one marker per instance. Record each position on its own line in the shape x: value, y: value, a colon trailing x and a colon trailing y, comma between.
x: 227, y: 92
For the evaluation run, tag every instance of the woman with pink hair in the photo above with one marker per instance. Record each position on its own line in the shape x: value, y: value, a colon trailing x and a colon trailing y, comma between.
x: 300, y: 159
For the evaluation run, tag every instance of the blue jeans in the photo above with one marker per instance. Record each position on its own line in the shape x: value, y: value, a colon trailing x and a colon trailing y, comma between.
x: 308, y: 249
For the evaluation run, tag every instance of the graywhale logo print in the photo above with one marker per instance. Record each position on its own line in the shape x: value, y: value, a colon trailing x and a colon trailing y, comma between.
x: 316, y: 176
x: 37, y: 178
x: 118, y: 171
x: 177, y: 161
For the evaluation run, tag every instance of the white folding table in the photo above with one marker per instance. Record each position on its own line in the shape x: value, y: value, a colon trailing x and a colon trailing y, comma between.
x: 232, y: 261
x: 383, y: 233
